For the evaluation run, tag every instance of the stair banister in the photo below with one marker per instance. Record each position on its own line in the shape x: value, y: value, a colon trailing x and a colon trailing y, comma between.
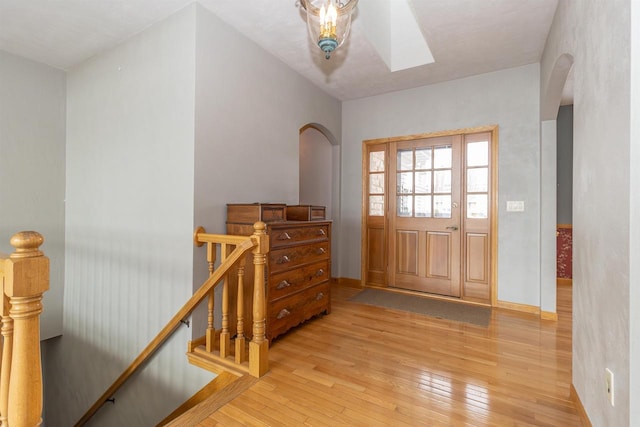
x: 242, y: 245
x: 25, y: 277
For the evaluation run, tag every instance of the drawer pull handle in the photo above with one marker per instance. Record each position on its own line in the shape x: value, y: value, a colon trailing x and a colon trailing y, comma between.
x: 283, y: 284
x: 321, y: 232
x: 284, y: 236
x: 320, y: 272
x: 283, y: 313
x: 319, y: 296
x: 283, y: 260
x: 321, y: 251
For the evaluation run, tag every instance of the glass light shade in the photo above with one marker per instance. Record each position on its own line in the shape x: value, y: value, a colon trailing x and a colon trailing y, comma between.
x: 329, y: 22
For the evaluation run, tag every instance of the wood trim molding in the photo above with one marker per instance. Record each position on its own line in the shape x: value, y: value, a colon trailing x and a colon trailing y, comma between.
x: 363, y: 213
x: 582, y: 413
x: 478, y: 129
x: 562, y: 281
x: 549, y: 315
x: 525, y: 308
x: 564, y: 225
x: 208, y: 400
x: 493, y: 227
x: 350, y: 283
x: 424, y: 295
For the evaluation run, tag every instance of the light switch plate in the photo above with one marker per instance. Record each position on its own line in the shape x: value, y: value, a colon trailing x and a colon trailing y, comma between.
x: 515, y: 206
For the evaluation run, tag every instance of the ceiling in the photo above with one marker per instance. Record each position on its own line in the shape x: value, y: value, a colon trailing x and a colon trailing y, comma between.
x: 466, y: 37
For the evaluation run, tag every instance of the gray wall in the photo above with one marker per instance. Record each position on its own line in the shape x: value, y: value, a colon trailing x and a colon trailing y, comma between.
x: 163, y: 131
x: 564, y: 158
x: 129, y: 225
x: 634, y: 232
x: 602, y: 198
x: 508, y: 98
x: 316, y: 169
x: 32, y: 165
x: 249, y: 111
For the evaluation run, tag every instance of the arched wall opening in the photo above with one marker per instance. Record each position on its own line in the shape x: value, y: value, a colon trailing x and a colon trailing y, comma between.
x: 319, y: 177
x: 550, y: 105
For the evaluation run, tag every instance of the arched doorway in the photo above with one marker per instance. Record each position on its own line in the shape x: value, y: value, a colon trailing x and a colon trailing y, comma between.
x: 550, y: 104
x: 316, y: 169
x: 319, y: 176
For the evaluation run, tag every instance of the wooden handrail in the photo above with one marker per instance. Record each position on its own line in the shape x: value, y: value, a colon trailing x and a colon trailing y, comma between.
x: 200, y: 238
x: 242, y: 245
x: 24, y: 276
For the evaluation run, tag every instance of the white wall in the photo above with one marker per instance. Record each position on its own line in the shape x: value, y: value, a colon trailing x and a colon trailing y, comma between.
x: 32, y: 164
x: 129, y: 225
x: 508, y: 98
x: 602, y: 198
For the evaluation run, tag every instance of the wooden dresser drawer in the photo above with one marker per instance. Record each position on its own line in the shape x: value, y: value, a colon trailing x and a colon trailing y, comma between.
x: 283, y: 236
x: 305, y: 213
x: 289, y: 282
x: 249, y: 213
x: 287, y: 258
x: 289, y: 312
x: 298, y: 265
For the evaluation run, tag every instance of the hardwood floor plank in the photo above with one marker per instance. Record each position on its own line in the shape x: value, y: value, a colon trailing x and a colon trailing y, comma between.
x: 369, y: 366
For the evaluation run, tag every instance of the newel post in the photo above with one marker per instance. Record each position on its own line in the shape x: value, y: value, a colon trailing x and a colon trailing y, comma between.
x: 259, y: 345
x: 26, y: 279
x: 7, y: 351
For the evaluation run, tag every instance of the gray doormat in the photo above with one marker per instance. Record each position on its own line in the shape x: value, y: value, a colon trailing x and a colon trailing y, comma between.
x: 475, y: 315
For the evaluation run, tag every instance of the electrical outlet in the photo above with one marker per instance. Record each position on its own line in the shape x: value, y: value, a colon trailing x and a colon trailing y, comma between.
x: 610, y: 386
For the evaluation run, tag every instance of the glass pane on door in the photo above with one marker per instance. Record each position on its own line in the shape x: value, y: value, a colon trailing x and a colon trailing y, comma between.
x: 376, y: 205
x: 376, y: 183
x: 423, y: 182
x: 405, y: 183
x: 405, y: 160
x: 477, y: 180
x: 442, y: 157
x: 478, y: 153
x: 405, y: 206
x: 423, y: 158
x: 423, y: 206
x: 442, y: 206
x: 477, y: 206
x: 442, y: 181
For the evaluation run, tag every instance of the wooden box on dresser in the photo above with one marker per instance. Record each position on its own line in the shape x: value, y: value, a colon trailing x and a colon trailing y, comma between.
x: 297, y: 272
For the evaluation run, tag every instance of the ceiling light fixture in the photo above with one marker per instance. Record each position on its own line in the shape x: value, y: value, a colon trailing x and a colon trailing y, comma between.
x: 329, y: 22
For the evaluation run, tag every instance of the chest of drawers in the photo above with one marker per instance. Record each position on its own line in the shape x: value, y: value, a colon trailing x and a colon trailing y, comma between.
x: 297, y: 274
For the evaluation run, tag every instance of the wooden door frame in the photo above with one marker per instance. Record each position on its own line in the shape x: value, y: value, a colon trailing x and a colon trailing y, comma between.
x: 493, y: 181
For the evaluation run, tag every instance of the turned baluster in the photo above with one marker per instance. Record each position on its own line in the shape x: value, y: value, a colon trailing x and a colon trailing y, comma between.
x: 7, y: 350
x: 259, y: 346
x: 211, y: 331
x: 26, y: 279
x: 225, y: 339
x: 240, y: 341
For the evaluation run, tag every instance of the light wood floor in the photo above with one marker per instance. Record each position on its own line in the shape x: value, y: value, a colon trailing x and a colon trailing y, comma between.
x: 368, y: 366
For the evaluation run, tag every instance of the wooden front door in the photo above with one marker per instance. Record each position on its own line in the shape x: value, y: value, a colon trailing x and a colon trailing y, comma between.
x: 429, y: 214
x: 424, y: 243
